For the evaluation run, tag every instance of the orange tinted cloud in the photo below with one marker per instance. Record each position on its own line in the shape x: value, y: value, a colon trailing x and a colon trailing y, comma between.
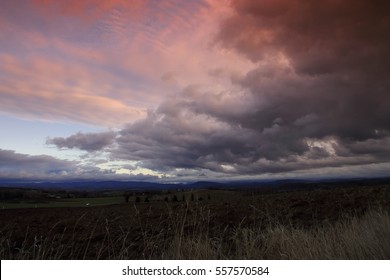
x: 50, y: 90
x: 69, y: 107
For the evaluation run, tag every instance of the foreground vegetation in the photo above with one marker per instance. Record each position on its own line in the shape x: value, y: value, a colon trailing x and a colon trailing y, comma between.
x: 332, y: 224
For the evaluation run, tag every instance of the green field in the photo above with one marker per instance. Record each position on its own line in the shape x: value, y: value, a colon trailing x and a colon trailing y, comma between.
x: 65, y: 202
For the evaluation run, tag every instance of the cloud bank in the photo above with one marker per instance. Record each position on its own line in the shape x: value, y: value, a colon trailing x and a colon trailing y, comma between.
x: 16, y: 165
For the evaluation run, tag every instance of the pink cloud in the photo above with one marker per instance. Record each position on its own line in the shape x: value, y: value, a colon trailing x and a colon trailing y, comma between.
x: 115, y: 73
x: 51, y: 90
x: 88, y: 9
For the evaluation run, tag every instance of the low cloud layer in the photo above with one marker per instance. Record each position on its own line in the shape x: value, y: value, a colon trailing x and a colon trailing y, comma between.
x: 16, y: 165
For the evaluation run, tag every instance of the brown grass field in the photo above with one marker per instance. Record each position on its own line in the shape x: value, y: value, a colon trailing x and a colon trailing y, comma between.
x: 339, y: 223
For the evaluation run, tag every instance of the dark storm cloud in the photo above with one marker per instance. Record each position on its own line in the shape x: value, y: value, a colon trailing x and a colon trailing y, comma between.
x: 84, y: 141
x: 323, y: 71
x: 324, y: 36
x: 321, y: 79
x: 183, y: 139
x: 318, y: 98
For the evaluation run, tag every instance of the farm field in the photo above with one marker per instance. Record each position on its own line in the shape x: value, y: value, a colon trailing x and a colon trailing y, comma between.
x: 67, y: 202
x: 341, y: 223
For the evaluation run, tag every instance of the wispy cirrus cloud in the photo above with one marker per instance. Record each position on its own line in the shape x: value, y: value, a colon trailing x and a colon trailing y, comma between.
x: 103, y: 63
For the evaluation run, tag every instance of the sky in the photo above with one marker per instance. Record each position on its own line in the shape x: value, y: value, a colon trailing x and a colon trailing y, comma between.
x: 175, y: 90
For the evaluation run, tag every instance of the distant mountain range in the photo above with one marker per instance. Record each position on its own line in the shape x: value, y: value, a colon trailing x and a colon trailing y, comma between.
x: 287, y: 184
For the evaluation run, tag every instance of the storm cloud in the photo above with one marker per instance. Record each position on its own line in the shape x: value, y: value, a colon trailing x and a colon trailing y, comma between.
x: 319, y: 96
x: 84, y: 141
x: 321, y: 37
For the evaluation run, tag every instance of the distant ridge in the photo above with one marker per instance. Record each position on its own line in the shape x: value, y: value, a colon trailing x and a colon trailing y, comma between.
x: 284, y: 184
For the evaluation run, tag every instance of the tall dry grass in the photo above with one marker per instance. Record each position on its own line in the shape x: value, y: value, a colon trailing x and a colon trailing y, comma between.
x: 192, y: 233
x: 366, y: 237
x: 353, y: 237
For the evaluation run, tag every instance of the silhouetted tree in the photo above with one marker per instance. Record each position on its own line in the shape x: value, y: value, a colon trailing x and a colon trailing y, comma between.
x: 127, y: 197
x: 137, y: 199
x: 146, y: 199
x: 166, y: 199
x: 192, y: 197
x: 175, y: 198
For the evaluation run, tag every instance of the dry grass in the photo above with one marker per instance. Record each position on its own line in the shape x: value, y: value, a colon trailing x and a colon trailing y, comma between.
x: 189, y: 233
x: 365, y: 237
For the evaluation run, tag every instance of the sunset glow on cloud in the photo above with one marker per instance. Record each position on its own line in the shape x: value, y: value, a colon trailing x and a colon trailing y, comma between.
x: 193, y: 90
